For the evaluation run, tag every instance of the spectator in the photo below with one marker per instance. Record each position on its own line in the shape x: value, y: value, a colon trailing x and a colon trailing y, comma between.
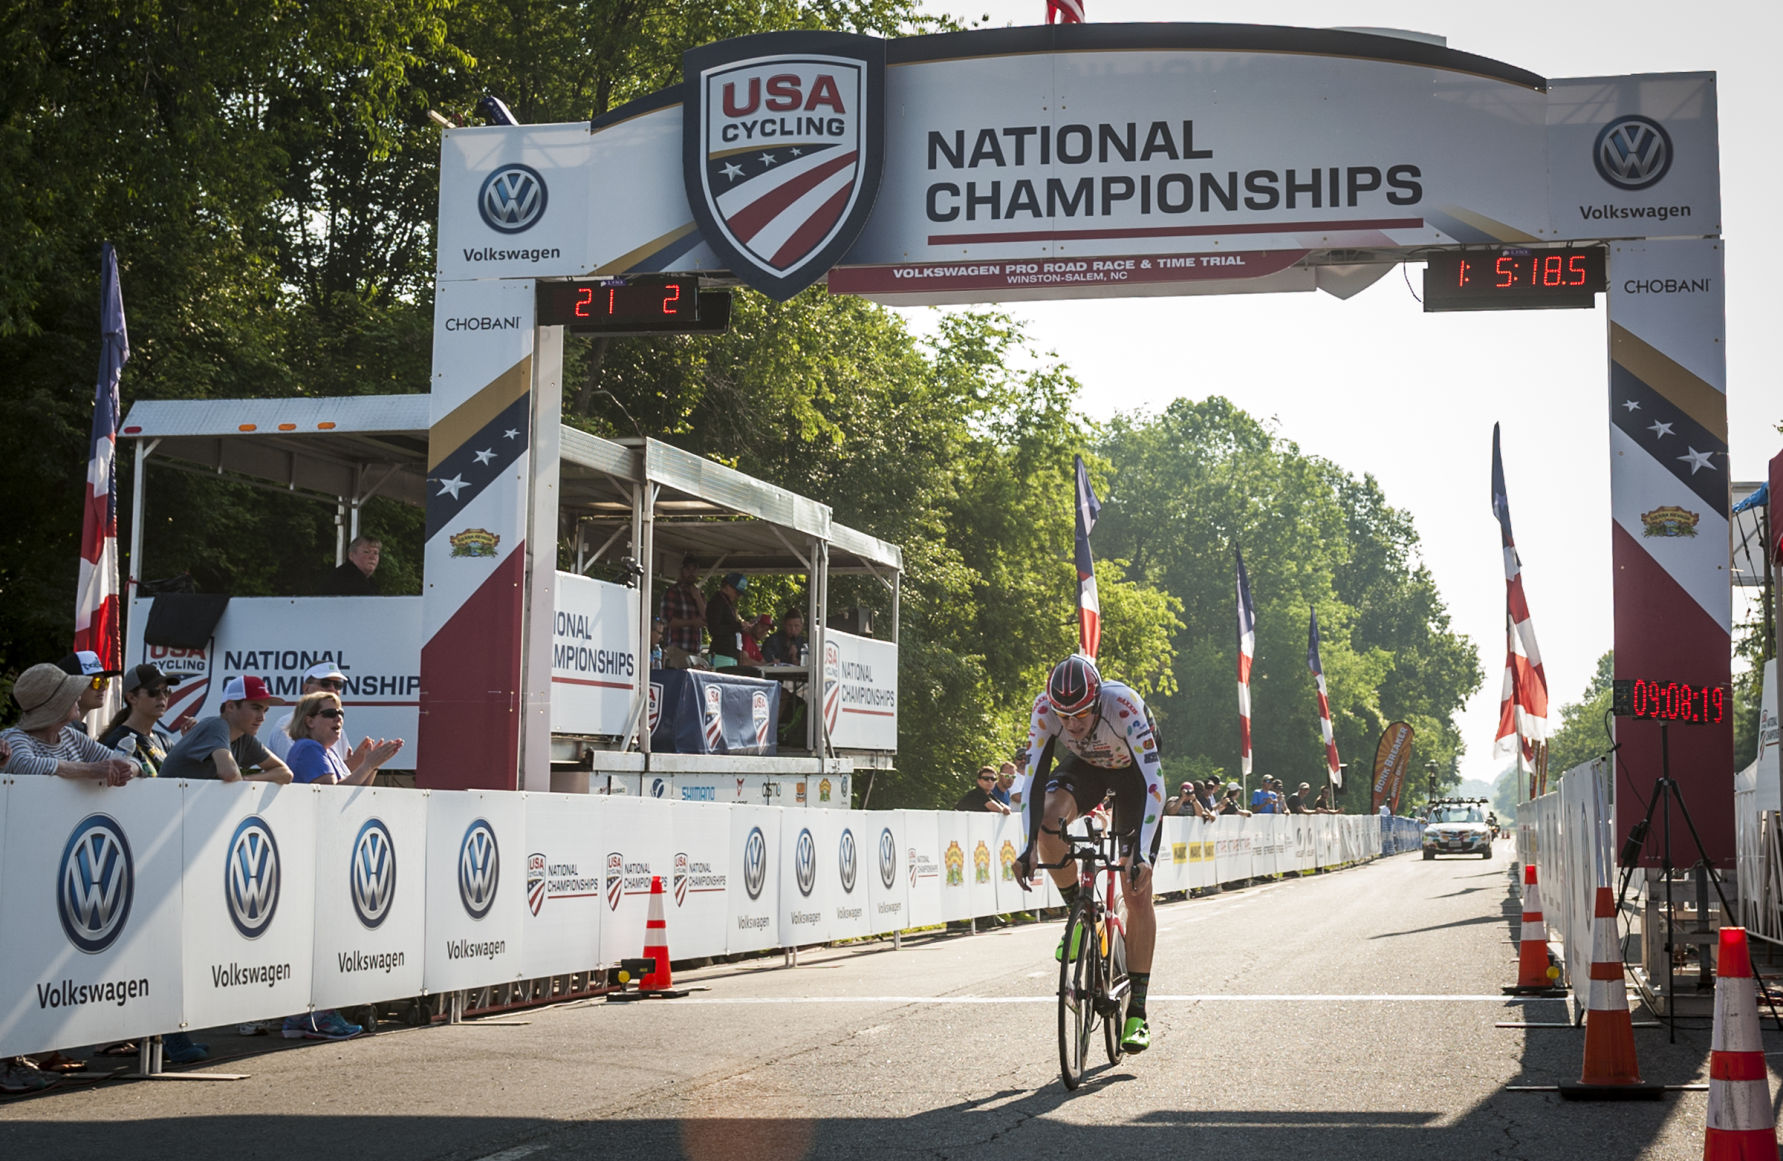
x: 325, y: 677
x: 1297, y: 800
x: 44, y: 741
x: 683, y: 616
x: 316, y: 729
x: 979, y: 797
x: 1184, y: 804
x: 1210, y: 795
x: 752, y: 638
x: 225, y: 747
x: 723, y: 624
x: 136, y: 732
x: 784, y: 645
x: 1005, y: 784
x: 86, y: 663
x: 656, y: 643
x: 1260, y: 797
x: 353, y: 577
x: 1229, y: 803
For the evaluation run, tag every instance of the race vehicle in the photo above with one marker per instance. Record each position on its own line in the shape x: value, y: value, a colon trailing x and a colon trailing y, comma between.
x: 1458, y: 826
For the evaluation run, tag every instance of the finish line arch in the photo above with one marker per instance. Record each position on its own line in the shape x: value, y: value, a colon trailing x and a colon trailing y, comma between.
x: 1095, y: 161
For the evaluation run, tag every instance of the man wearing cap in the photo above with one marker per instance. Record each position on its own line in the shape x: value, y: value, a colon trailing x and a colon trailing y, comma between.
x: 323, y: 678
x: 136, y: 732
x: 85, y: 663
x: 225, y: 746
x: 722, y: 620
x: 42, y: 742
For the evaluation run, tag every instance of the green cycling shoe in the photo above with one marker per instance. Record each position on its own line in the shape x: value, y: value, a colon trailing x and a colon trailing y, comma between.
x: 1136, y: 1036
x: 1058, y: 952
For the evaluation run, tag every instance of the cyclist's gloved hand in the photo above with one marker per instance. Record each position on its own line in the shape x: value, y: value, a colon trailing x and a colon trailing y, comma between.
x: 1023, y: 867
x: 1139, y: 873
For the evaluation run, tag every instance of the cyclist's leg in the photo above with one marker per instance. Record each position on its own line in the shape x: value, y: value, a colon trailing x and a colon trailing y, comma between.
x: 1061, y: 808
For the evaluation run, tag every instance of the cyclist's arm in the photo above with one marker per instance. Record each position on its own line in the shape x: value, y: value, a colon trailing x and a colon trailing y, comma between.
x: 1144, y: 747
x: 1034, y: 796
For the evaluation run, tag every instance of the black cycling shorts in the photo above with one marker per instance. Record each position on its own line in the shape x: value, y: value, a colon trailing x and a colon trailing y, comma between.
x: 1088, y: 785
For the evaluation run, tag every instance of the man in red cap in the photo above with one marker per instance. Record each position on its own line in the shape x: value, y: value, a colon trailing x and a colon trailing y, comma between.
x: 225, y: 746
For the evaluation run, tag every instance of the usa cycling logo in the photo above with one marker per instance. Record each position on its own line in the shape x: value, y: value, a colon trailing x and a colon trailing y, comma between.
x: 755, y: 862
x: 848, y: 860
x: 804, y: 862
x: 371, y: 879
x: 888, y: 858
x: 96, y: 884
x: 251, y: 877
x: 512, y: 199
x: 1633, y: 152
x: 479, y: 869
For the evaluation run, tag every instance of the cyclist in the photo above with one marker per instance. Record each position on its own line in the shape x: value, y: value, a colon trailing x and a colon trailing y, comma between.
x: 1109, y: 744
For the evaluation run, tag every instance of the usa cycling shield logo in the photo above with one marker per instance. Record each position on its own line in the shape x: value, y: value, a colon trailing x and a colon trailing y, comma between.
x: 782, y: 148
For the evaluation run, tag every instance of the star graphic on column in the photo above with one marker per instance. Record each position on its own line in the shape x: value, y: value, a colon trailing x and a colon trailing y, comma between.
x: 732, y: 170
x: 769, y: 159
x: 1632, y: 405
x: 1660, y: 430
x: 483, y: 457
x: 798, y: 153
x: 452, y: 486
x: 511, y: 433
x: 1696, y: 459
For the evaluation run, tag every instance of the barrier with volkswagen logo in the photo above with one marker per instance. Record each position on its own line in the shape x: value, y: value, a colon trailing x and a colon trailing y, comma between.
x: 162, y: 904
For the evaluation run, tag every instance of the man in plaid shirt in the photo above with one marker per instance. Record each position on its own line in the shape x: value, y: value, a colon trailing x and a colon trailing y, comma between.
x: 683, y: 616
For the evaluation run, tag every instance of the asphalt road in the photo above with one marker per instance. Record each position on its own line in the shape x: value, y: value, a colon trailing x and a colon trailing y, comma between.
x: 1347, y: 1015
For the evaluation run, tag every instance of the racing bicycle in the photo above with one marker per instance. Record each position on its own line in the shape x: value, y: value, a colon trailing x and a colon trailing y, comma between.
x: 1093, y: 988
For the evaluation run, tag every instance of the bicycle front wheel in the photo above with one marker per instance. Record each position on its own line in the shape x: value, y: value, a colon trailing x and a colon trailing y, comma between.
x: 1079, y: 977
x: 1115, y: 994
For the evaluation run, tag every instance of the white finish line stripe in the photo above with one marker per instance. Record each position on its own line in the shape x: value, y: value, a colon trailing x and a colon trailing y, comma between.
x: 1295, y: 997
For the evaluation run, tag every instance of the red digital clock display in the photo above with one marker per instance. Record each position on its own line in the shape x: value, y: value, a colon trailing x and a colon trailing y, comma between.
x: 1669, y: 701
x: 1513, y: 279
x: 616, y: 304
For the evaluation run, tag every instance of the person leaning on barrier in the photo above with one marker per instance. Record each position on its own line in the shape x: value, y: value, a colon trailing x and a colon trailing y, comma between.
x: 45, y: 742
x: 324, y: 677
x: 979, y: 798
x: 317, y: 725
x: 225, y: 747
x: 136, y: 732
x: 85, y: 663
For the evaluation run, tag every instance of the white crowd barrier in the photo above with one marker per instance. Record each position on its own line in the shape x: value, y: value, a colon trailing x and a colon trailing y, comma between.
x: 1566, y: 835
x: 165, y: 905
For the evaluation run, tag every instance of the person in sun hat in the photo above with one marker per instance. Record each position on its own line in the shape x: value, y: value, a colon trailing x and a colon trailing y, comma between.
x: 44, y: 742
x: 225, y: 747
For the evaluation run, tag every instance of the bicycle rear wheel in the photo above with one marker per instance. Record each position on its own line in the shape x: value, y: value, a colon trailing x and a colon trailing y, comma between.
x: 1115, y: 994
x: 1079, y: 977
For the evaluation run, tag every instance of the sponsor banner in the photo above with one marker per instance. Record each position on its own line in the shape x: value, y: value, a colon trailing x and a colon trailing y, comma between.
x: 700, y: 881
x: 90, y: 904
x: 708, y: 712
x: 371, y: 894
x: 565, y: 896
x: 594, y: 646
x: 476, y: 888
x: 807, y: 879
x: 249, y: 918
x: 844, y: 836
x: 1125, y: 273
x: 638, y: 844
x: 1302, y: 850
x: 884, y: 859
x: 1006, y: 846
x: 953, y: 839
x: 512, y: 206
x: 1392, y: 755
x: 982, y: 868
x: 922, y: 868
x: 1634, y: 157
x: 860, y: 682
x: 754, y: 888
x: 374, y: 641
x: 1171, y: 871
x: 1231, y: 849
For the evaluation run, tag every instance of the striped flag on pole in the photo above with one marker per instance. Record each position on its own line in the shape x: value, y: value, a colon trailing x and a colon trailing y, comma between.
x: 97, y: 625
x: 1523, y: 711
x: 1318, y: 676
x: 1089, y: 608
x: 1064, y: 11
x: 1247, y: 648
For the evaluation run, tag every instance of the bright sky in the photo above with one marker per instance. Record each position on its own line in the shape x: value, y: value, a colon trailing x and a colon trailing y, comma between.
x: 1378, y: 387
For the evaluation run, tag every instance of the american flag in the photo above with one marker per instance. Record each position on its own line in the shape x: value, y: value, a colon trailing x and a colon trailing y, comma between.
x: 1089, y: 609
x: 1523, y: 711
x: 1247, y: 648
x: 1064, y: 11
x: 1318, y: 676
x: 96, y: 621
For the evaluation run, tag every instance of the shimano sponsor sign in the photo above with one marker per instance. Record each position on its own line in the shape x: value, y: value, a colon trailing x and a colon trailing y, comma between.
x: 371, y: 917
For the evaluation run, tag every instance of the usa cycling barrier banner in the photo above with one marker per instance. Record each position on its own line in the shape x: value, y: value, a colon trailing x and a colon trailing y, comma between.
x: 807, y: 880
x: 755, y: 869
x: 921, y: 868
x: 249, y: 888
x: 90, y: 903
x: 982, y: 867
x: 952, y: 837
x: 860, y: 683
x: 888, y: 884
x: 700, y: 880
x: 594, y: 646
x: 637, y: 836
x: 843, y: 845
x: 476, y: 889
x: 371, y: 894
x: 704, y: 712
x: 563, y: 884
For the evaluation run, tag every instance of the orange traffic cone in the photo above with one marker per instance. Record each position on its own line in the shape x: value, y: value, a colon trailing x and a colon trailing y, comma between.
x: 1610, y: 1071
x: 1533, y: 971
x: 1741, y: 1126
x: 656, y: 943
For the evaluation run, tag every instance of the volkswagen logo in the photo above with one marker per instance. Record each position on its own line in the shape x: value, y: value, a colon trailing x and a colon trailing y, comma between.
x: 846, y: 860
x: 479, y: 869
x: 755, y: 862
x: 512, y: 199
x: 1633, y: 152
x: 888, y: 858
x: 251, y: 877
x: 96, y: 884
x: 804, y: 862
x: 371, y: 878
